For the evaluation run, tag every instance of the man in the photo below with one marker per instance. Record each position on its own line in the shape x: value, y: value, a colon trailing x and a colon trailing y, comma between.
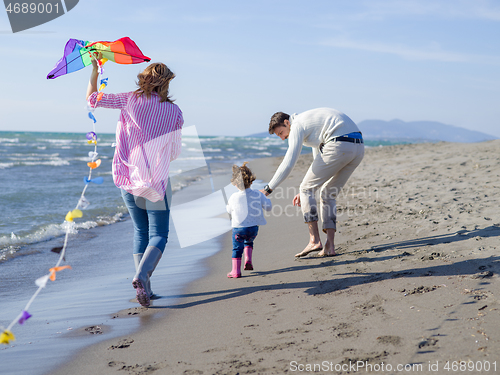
x: 338, y: 149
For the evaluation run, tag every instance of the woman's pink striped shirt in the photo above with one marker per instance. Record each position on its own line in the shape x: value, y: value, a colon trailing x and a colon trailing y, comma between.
x: 148, y: 138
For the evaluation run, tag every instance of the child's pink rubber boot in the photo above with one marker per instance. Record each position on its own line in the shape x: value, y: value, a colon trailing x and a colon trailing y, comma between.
x: 248, y: 258
x: 236, y: 271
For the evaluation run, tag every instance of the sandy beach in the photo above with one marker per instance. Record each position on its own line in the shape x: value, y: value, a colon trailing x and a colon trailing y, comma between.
x: 414, y: 288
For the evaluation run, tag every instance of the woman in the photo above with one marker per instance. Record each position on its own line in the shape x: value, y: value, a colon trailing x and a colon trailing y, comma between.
x: 148, y: 138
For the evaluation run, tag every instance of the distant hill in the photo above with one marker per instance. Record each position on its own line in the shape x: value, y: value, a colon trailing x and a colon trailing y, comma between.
x: 413, y: 131
x: 419, y: 131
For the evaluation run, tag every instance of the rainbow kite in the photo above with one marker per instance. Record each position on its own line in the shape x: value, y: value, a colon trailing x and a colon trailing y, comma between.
x: 77, y: 55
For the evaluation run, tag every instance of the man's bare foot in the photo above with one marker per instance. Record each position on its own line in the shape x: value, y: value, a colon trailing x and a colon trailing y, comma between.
x: 326, y: 253
x: 309, y: 249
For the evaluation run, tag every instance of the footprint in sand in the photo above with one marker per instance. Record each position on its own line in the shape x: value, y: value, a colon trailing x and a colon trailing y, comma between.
x: 94, y: 330
x: 421, y: 290
x: 393, y: 340
x: 482, y: 275
x: 427, y: 342
x: 375, y: 304
x: 125, y: 343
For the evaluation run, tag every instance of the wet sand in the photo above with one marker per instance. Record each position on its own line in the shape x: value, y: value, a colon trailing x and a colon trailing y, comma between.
x: 84, y: 305
x: 414, y: 287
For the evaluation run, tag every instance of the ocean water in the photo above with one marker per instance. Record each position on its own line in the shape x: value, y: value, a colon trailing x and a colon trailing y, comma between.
x: 41, y: 179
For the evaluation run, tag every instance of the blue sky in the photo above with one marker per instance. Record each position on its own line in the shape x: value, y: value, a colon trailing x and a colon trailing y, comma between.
x: 238, y: 62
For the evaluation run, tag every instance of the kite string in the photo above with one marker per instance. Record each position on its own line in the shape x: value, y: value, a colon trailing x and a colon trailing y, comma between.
x: 6, y: 334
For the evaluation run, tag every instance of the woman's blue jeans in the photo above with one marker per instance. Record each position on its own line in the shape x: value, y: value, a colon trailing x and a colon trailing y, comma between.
x: 151, y: 222
x: 243, y: 237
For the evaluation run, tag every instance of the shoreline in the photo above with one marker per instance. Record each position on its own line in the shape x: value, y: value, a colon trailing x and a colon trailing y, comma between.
x: 84, y: 306
x: 415, y: 282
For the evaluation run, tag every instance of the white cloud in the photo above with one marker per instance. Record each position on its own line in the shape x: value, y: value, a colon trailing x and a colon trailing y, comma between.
x: 431, y: 53
x: 470, y: 9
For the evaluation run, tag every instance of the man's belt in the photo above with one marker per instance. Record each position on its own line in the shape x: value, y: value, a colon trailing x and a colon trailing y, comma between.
x: 347, y: 139
x: 340, y: 139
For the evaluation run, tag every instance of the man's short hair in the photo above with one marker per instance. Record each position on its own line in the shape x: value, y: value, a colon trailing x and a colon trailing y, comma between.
x: 277, y: 120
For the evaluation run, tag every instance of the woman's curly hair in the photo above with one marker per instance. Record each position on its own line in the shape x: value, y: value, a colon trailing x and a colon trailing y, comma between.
x: 242, y: 176
x: 155, y: 78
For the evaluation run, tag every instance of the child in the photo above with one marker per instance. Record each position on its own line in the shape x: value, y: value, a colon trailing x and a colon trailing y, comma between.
x: 245, y: 208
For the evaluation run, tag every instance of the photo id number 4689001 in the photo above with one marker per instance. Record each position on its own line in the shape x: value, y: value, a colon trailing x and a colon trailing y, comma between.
x: 32, y: 8
x: 464, y: 367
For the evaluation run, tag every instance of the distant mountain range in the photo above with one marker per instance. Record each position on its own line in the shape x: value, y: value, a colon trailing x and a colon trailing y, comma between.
x: 423, y: 131
x: 413, y: 131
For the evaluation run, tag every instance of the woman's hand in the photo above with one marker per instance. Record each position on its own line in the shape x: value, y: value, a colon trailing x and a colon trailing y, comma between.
x: 94, y: 57
x: 296, y: 200
x: 92, y: 86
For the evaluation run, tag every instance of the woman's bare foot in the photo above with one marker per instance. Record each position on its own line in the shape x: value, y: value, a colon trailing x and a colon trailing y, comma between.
x: 309, y: 249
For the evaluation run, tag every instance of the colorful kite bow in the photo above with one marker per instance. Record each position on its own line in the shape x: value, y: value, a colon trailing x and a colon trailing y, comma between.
x: 77, y: 55
x: 6, y: 337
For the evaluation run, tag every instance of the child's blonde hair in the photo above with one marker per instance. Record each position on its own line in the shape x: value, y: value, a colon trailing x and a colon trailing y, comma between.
x: 242, y: 176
